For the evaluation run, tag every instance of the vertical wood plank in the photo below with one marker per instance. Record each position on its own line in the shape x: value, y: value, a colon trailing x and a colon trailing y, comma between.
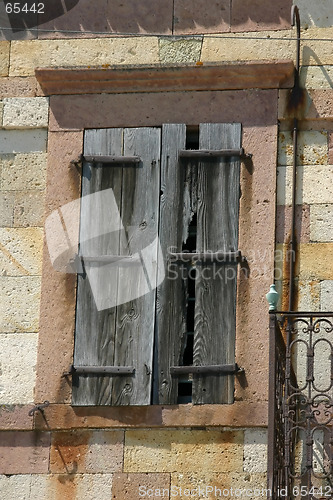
x: 95, y: 323
x: 135, y: 318
x: 175, y: 215
x: 215, y: 308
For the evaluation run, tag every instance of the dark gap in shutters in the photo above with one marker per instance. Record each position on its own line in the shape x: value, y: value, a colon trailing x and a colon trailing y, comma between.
x: 185, y: 384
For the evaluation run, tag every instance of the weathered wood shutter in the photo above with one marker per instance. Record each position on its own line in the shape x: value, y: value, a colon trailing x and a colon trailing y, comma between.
x: 215, y: 306
x: 175, y: 213
x: 116, y: 302
x: 124, y: 207
x: 210, y: 189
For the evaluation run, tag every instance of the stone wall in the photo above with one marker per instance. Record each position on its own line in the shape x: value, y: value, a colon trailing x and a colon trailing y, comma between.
x: 94, y: 461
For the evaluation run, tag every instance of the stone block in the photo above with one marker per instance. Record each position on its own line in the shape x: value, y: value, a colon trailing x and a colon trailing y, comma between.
x: 242, y: 48
x: 152, y: 17
x: 271, y: 45
x: 312, y: 148
x: 87, y: 452
x: 23, y: 171
x: 104, y: 17
x: 78, y: 20
x: 21, y: 208
x: 317, y: 51
x: 15, y: 417
x: 326, y: 295
x: 315, y: 261
x: 257, y: 15
x: 255, y: 450
x: 216, y: 485
x: 317, y: 106
x: 54, y: 486
x: 180, y: 50
x: 316, y: 77
x: 321, y: 223
x: 315, y: 14
x: 22, y: 141
x: 29, y: 208
x: 183, y: 451
x: 130, y: 486
x: 314, y: 185
x: 25, y: 112
x: 196, y: 17
x: 283, y: 223
x: 252, y: 108
x: 24, y: 452
x: 4, y: 58
x: 18, y: 357
x: 21, y: 251
x: 26, y: 56
x: 76, y: 487
x: 18, y: 87
x: 7, y: 203
x: 19, y: 303
x: 16, y: 486
x: 308, y: 295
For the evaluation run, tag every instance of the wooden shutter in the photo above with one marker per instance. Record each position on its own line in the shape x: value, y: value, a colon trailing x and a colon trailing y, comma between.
x: 120, y: 335
x: 175, y: 213
x: 210, y: 189
x: 217, y: 230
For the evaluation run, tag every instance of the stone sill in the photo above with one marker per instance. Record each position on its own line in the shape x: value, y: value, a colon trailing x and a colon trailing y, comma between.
x: 161, y: 78
x: 237, y: 415
x: 240, y: 414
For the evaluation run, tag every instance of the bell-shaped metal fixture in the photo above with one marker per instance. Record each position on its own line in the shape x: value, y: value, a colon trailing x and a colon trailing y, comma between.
x: 272, y: 298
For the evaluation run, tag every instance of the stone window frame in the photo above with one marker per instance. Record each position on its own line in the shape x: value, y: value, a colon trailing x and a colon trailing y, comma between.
x: 217, y: 93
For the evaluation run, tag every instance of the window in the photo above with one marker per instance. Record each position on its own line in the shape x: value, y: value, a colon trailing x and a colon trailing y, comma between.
x: 156, y: 297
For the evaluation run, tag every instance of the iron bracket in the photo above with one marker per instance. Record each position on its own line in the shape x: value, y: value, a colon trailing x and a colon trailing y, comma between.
x: 202, y: 154
x: 40, y: 407
x: 99, y: 370
x: 206, y: 370
x: 112, y: 159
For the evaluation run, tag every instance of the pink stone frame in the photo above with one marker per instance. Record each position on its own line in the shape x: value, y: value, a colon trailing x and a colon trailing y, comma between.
x: 70, y: 114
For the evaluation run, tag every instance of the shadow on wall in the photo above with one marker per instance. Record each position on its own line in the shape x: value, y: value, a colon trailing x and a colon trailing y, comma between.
x: 148, y: 16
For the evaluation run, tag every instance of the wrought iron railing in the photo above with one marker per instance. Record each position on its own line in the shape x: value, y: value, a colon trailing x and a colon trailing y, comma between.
x: 300, y: 433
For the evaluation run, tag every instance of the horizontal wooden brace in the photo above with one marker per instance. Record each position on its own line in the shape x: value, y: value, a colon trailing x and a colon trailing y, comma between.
x: 112, y: 159
x: 208, y: 256
x: 205, y: 153
x: 101, y: 370
x: 208, y: 369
